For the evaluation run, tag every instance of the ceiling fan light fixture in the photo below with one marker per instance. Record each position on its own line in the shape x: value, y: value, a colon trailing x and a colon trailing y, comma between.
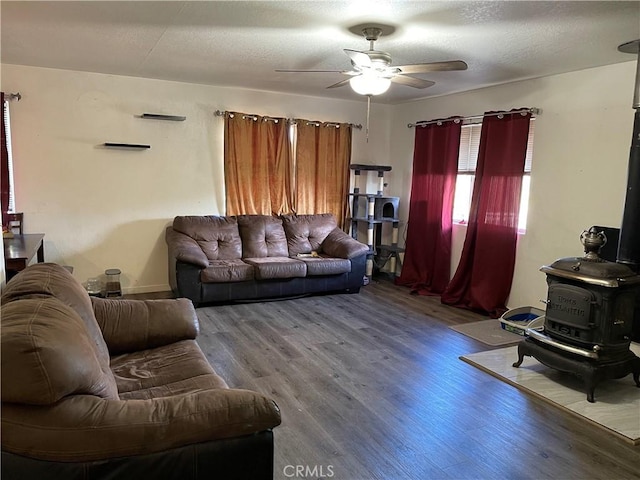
x: 369, y: 84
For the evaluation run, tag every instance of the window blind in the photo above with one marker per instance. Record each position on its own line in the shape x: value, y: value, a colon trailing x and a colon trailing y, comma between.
x: 470, y: 145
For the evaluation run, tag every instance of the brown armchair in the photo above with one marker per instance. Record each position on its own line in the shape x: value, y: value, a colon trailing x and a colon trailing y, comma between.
x: 102, y: 388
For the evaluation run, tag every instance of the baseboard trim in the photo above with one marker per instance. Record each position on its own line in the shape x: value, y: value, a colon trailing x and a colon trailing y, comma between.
x: 146, y: 289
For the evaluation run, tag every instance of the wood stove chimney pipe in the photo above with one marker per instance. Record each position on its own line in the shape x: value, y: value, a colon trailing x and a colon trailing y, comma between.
x: 629, y: 244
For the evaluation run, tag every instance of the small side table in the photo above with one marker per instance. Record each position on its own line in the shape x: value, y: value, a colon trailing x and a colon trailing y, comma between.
x: 20, y: 250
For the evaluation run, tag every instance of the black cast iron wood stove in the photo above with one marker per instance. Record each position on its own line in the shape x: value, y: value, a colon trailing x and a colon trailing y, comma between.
x: 591, y: 302
x: 589, y: 318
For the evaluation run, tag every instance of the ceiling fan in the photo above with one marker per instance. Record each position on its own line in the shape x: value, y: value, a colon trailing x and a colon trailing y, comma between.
x: 372, y: 72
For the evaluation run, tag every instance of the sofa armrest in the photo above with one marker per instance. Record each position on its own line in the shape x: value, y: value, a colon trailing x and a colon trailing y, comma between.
x: 339, y: 244
x: 184, y: 248
x: 132, y: 325
x: 87, y: 428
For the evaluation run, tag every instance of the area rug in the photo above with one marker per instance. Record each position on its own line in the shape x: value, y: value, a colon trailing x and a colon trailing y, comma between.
x: 617, y: 405
x: 489, y: 332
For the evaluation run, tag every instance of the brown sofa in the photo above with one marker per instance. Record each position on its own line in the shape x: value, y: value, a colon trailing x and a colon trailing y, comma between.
x: 98, y: 388
x: 246, y: 257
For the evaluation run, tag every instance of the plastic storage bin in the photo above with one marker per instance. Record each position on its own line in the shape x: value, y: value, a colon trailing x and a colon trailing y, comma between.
x: 517, y: 320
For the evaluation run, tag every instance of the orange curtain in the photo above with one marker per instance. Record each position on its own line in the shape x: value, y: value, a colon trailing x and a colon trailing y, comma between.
x: 323, y: 154
x: 257, y: 165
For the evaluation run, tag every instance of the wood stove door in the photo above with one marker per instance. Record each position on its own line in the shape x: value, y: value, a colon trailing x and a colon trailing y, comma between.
x: 569, y: 313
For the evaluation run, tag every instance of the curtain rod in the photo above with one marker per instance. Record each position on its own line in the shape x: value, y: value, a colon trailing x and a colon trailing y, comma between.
x: 475, y: 118
x: 254, y: 117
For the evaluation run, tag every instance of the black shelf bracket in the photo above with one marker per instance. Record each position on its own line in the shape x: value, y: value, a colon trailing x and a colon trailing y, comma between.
x: 132, y: 146
x: 160, y: 116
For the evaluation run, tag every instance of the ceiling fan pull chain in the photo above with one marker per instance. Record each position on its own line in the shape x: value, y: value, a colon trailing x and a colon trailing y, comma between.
x: 368, y: 111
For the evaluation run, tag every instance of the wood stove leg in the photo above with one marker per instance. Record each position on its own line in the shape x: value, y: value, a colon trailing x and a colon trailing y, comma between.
x: 521, y: 354
x: 635, y: 368
x: 591, y: 377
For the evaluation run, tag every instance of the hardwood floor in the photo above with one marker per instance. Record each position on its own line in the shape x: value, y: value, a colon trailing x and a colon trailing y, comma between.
x: 371, y: 387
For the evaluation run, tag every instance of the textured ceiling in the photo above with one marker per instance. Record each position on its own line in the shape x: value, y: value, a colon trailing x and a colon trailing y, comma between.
x: 241, y: 44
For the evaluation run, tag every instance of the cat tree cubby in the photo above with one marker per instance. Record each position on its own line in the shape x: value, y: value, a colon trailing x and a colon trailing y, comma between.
x: 375, y: 210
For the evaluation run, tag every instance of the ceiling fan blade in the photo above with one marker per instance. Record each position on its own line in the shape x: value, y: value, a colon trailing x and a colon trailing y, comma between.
x: 412, y: 81
x: 340, y: 83
x: 358, y: 58
x: 432, y: 67
x: 312, y: 71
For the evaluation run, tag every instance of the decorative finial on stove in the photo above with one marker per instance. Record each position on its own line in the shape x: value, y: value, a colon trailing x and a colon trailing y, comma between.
x: 593, y: 241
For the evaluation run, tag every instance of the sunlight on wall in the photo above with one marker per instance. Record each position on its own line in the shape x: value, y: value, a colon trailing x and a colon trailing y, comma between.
x: 581, y: 145
x: 101, y: 208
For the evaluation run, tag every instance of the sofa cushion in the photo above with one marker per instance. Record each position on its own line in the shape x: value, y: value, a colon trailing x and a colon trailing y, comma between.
x: 45, y: 280
x: 218, y: 237
x: 222, y: 271
x: 277, y: 267
x: 47, y: 354
x: 262, y: 236
x: 323, y: 265
x: 173, y: 369
x: 305, y: 233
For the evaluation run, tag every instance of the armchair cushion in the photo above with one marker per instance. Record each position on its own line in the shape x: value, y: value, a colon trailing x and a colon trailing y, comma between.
x: 132, y: 325
x: 52, y: 280
x: 40, y: 365
x: 177, y: 368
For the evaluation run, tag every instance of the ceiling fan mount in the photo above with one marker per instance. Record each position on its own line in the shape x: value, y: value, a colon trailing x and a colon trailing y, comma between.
x: 377, y: 29
x: 372, y: 33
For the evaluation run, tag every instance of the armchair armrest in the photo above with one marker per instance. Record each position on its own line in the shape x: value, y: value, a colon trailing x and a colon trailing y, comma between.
x: 184, y: 248
x: 132, y: 325
x: 98, y: 429
x: 339, y: 244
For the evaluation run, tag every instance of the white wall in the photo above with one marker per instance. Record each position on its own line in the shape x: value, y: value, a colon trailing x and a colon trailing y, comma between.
x: 101, y: 208
x: 105, y: 208
x: 580, y: 157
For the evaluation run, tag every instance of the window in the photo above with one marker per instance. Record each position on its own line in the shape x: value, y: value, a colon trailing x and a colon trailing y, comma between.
x: 467, y: 161
x: 7, y: 123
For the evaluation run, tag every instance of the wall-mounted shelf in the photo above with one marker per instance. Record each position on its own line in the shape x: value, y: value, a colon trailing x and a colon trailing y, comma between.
x: 160, y: 116
x: 133, y: 146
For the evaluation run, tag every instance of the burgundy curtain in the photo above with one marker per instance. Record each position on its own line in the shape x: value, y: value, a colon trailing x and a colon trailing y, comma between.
x: 482, y: 281
x: 427, y: 259
x: 4, y: 163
